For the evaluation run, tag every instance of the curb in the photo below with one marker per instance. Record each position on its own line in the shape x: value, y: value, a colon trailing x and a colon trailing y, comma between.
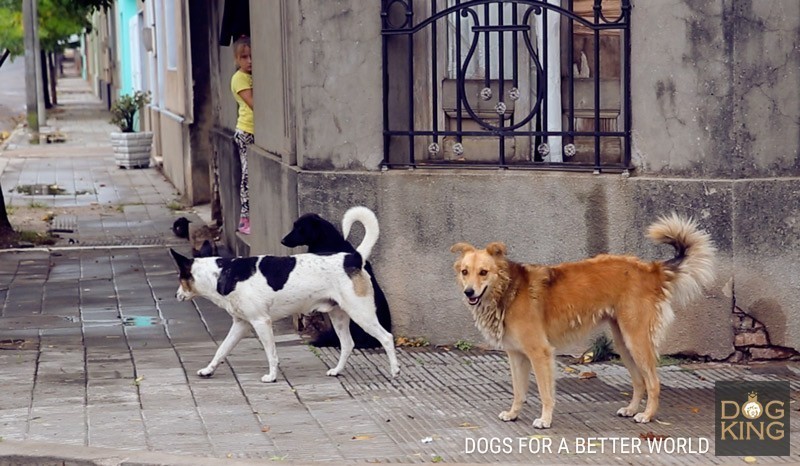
x: 25, y: 452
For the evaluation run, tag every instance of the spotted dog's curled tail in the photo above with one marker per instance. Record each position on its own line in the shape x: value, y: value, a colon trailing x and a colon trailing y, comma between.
x: 693, y: 264
x: 371, y: 228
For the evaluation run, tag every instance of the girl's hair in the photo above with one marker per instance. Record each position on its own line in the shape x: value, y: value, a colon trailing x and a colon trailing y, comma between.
x: 240, y: 43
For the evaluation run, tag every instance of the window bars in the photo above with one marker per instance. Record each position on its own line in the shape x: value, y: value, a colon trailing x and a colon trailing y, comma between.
x: 519, y: 84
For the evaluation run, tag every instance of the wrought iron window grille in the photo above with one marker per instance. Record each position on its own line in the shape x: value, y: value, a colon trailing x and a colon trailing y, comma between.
x: 518, y: 84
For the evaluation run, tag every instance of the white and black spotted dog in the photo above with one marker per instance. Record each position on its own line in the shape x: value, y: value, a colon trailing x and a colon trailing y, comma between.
x: 259, y: 290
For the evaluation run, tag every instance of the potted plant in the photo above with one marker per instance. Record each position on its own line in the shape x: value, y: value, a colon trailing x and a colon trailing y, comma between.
x: 131, y: 148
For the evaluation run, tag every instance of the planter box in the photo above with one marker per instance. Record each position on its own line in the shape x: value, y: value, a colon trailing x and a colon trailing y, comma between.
x: 132, y: 150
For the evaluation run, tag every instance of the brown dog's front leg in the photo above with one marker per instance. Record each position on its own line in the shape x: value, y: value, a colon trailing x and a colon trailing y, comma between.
x: 543, y: 367
x: 520, y: 379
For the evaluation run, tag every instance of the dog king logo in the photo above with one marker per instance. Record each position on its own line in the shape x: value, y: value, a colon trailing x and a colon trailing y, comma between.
x: 752, y: 418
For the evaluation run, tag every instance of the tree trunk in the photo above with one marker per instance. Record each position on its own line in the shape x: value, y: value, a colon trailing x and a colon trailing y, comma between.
x: 53, y: 77
x: 5, y: 224
x: 45, y: 80
x: 3, y: 57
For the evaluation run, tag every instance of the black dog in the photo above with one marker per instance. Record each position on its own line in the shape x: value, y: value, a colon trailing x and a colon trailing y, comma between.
x: 203, y: 238
x: 181, y: 227
x: 322, y: 237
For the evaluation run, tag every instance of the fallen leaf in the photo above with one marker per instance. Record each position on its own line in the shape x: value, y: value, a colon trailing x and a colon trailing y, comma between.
x: 362, y: 437
x: 750, y: 459
x: 467, y: 425
x: 264, y: 428
x: 538, y: 436
x: 625, y: 393
x: 695, y: 410
x: 587, y: 375
x: 651, y: 436
x: 663, y: 423
x: 437, y: 459
x: 138, y: 380
x: 588, y: 356
x: 570, y: 370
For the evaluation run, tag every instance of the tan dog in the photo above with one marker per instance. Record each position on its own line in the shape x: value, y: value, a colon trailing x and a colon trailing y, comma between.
x: 528, y: 310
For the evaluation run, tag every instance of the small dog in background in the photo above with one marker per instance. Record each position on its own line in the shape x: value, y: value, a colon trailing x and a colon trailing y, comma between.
x: 203, y: 238
x: 322, y: 237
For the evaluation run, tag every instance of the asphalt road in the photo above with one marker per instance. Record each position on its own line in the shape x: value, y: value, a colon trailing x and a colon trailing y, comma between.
x: 12, y: 93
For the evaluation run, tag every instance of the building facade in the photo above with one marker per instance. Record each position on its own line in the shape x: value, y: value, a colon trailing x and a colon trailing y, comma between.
x: 613, y: 113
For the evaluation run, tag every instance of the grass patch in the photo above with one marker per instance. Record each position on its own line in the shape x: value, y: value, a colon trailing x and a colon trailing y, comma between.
x: 35, y: 238
x: 464, y: 345
x: 174, y: 205
x: 414, y: 342
x: 37, y: 205
x: 601, y: 349
x: 315, y: 351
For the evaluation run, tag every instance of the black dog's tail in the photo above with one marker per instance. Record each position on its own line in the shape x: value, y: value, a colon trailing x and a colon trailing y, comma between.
x: 371, y: 228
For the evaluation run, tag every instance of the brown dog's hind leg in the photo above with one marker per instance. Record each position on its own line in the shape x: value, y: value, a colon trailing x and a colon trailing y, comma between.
x: 640, y: 344
x: 636, y: 376
x: 520, y: 380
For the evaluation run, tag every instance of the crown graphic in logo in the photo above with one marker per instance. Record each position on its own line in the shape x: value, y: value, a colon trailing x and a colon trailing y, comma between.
x: 752, y: 409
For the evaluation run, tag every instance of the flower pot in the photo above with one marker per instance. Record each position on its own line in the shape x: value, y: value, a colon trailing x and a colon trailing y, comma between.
x: 132, y: 150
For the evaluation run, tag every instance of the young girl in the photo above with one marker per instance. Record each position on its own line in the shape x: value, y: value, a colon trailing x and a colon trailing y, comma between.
x: 242, y: 88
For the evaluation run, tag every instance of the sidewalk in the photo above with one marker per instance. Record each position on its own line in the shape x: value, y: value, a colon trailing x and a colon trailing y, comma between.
x: 98, y: 360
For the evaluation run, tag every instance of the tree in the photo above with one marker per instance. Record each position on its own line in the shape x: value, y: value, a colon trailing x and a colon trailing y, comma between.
x: 58, y: 20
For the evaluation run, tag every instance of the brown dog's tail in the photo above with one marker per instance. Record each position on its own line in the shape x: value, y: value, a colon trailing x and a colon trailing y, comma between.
x: 693, y: 264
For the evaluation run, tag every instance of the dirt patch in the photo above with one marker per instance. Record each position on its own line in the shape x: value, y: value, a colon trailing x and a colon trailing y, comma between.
x: 30, y: 228
x: 32, y: 223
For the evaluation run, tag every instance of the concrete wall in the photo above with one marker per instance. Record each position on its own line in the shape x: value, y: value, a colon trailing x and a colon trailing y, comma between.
x: 172, y: 139
x: 715, y: 90
x: 542, y: 218
x: 715, y: 87
x: 230, y: 170
x: 338, y: 72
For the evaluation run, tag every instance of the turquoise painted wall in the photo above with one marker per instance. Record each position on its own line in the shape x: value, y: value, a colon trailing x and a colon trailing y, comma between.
x: 126, y: 9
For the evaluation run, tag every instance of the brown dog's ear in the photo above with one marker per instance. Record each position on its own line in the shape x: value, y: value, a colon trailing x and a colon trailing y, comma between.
x: 496, y: 249
x: 462, y: 248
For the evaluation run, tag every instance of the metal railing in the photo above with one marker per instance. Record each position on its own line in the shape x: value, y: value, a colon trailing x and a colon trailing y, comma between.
x: 494, y: 83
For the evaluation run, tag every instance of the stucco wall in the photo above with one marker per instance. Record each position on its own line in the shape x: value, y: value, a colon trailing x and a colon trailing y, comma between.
x: 171, y: 135
x: 230, y: 170
x: 339, y: 119
x: 715, y: 87
x: 542, y: 218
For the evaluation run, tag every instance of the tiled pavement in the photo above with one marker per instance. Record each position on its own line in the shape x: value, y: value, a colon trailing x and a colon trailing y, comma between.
x: 96, y: 352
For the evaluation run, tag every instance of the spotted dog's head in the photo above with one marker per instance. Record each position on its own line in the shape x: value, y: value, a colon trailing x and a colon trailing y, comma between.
x: 479, y: 270
x: 186, y: 289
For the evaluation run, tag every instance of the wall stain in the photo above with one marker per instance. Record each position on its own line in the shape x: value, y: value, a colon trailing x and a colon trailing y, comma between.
x: 595, y: 216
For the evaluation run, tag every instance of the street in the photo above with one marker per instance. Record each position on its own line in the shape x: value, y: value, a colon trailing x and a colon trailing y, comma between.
x: 12, y: 93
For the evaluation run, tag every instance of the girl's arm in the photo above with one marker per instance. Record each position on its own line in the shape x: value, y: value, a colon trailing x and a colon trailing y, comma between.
x: 247, y: 96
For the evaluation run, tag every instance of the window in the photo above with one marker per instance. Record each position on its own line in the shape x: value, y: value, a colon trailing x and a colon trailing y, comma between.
x: 470, y: 83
